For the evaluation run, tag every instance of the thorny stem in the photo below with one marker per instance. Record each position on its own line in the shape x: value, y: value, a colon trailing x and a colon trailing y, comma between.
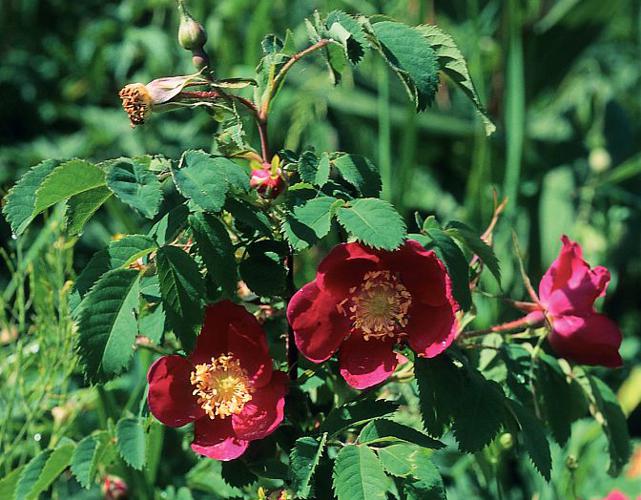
x: 292, y: 351
x: 519, y: 324
x: 264, y: 142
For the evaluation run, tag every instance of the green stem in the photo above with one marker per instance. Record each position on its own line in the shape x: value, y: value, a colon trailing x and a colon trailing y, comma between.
x: 384, y: 132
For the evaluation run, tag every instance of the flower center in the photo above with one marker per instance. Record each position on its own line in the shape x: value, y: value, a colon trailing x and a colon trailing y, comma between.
x: 222, y: 386
x: 136, y: 101
x: 378, y: 307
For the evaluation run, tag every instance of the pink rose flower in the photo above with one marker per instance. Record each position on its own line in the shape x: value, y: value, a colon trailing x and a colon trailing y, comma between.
x: 567, y: 293
x: 365, y: 303
x: 226, y: 386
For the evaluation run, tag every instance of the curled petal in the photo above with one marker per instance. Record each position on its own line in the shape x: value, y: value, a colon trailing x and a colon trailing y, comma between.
x: 431, y: 330
x: 264, y: 413
x: 318, y: 327
x: 216, y: 439
x: 590, y: 340
x: 365, y: 363
x: 344, y: 267
x: 170, y: 391
x: 421, y: 272
x: 570, y: 285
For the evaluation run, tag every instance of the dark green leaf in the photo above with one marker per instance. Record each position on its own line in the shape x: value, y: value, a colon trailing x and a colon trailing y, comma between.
x: 386, y: 431
x: 38, y: 475
x: 467, y: 236
x: 198, y: 179
x: 457, y: 266
x: 216, y: 249
x: 360, y: 173
x: 355, y: 414
x: 303, y: 460
x: 135, y: 185
x: 107, y: 324
x: 453, y: 64
x: 533, y: 437
x: 395, y: 459
x: 29, y: 476
x: 374, y: 222
x: 263, y: 271
x: 614, y: 423
x: 86, y: 458
x: 169, y: 226
x: 412, y: 58
x: 248, y: 219
x: 183, y: 290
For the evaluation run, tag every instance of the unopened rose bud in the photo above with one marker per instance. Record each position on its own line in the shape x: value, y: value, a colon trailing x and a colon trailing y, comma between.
x: 200, y: 59
x: 267, y: 179
x: 114, y: 488
x: 191, y: 34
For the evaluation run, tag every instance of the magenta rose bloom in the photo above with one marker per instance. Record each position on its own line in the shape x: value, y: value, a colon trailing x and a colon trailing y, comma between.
x: 567, y: 293
x: 226, y: 386
x: 365, y: 303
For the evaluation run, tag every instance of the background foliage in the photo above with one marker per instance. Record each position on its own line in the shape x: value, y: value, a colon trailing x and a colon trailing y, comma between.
x: 561, y: 80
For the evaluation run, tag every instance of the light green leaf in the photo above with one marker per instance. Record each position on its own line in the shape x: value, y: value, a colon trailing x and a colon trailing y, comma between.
x: 411, y: 56
x: 183, y: 291
x: 395, y: 459
x: 453, y: 64
x: 131, y: 441
x: 456, y: 263
x: 373, y: 222
x: 21, y: 199
x: 57, y: 461
x: 386, y: 431
x: 129, y: 249
x: 9, y: 482
x: 138, y: 187
x: 152, y: 324
x: 216, y: 249
x: 360, y: 173
x: 313, y: 169
x: 359, y: 475
x: 316, y: 215
x: 86, y: 457
x: 303, y: 461
x: 205, y: 179
x: 81, y: 207
x: 30, y: 474
x: 66, y: 180
x: 427, y: 483
x: 107, y: 325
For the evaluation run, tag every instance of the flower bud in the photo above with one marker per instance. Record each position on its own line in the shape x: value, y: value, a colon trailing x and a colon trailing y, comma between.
x: 114, y: 488
x: 191, y: 34
x: 200, y: 59
x: 267, y: 178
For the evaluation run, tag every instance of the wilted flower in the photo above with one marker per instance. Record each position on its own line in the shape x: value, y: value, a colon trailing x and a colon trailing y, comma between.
x: 226, y: 386
x: 139, y: 100
x: 567, y: 293
x: 364, y: 303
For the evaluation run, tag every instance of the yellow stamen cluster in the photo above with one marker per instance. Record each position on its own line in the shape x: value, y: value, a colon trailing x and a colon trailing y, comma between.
x: 378, y: 307
x: 136, y: 101
x: 222, y: 386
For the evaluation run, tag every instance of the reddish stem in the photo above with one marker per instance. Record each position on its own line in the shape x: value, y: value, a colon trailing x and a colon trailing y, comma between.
x: 529, y: 321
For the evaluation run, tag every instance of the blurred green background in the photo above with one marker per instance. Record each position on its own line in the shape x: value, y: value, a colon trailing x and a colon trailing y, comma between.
x: 561, y: 79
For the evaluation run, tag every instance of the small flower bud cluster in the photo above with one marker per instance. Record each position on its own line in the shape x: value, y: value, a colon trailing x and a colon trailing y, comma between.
x: 192, y: 36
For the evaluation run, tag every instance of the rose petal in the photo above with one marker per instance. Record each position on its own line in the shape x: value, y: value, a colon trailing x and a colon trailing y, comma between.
x: 170, y: 391
x: 569, y: 285
x: 344, y: 267
x: 252, y: 353
x: 264, y: 413
x: 591, y: 340
x: 216, y: 439
x: 431, y: 330
x: 365, y: 363
x: 318, y: 327
x: 421, y: 272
